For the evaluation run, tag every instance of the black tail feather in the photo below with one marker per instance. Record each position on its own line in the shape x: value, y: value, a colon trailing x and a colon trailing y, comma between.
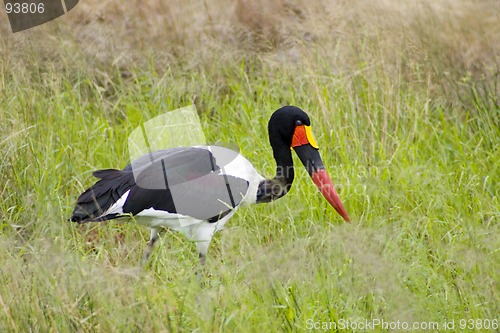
x: 92, y: 203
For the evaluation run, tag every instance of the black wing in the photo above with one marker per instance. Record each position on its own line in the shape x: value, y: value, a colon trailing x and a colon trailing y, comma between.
x: 92, y: 203
x: 185, y: 181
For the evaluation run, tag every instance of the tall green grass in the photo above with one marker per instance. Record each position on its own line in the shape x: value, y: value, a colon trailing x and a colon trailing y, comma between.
x: 410, y: 137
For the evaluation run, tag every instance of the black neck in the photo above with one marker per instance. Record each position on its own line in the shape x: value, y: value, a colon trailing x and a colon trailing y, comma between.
x: 284, y: 163
x: 271, y: 189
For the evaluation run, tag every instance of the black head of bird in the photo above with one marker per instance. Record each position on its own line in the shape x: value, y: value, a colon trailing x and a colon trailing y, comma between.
x: 290, y: 127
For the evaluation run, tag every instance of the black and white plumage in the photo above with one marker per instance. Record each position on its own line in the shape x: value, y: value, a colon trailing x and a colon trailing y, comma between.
x: 195, y: 190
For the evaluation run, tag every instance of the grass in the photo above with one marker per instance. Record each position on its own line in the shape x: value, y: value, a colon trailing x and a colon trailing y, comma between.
x: 407, y: 120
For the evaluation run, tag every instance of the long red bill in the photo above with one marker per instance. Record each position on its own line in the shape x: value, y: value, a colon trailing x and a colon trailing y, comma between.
x: 325, y: 185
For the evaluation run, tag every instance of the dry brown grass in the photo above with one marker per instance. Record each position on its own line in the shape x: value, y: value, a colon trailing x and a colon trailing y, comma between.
x: 440, y: 46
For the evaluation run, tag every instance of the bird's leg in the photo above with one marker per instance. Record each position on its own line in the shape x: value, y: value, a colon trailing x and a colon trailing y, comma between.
x: 202, y: 235
x: 203, y: 258
x: 152, y: 240
x: 202, y: 247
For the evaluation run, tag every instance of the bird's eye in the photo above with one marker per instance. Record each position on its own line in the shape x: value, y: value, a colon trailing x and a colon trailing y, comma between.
x: 298, y: 123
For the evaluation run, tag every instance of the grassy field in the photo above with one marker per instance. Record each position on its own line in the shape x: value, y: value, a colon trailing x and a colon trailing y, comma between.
x: 404, y: 102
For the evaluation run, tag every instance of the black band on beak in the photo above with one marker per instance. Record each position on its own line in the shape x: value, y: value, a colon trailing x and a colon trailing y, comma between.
x: 310, y: 158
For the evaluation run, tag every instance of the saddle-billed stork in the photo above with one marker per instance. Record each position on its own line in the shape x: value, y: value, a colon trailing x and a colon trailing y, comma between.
x: 196, y: 190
